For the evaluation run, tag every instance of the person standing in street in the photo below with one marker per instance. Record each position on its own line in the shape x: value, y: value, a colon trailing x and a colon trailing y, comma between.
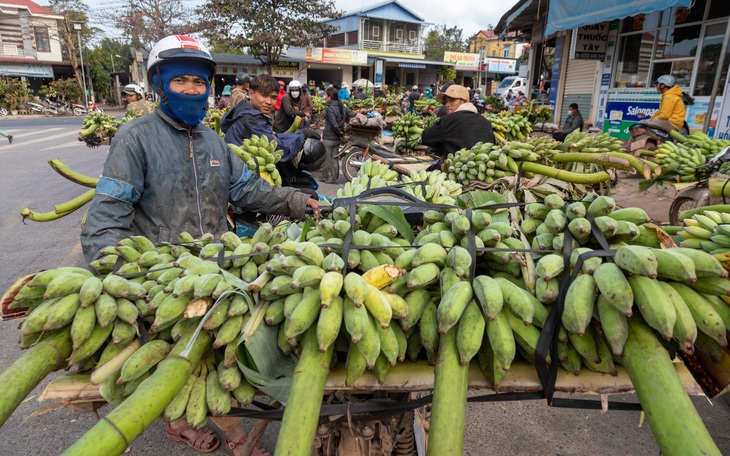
x: 334, y: 132
x: 167, y: 173
x: 225, y: 101
x: 280, y: 95
x: 344, y: 93
x: 291, y: 107
x: 136, y: 104
x: 413, y: 96
x: 240, y: 92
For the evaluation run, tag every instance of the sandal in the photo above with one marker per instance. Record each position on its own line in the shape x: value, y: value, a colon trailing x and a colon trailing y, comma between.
x: 202, y: 440
x: 257, y: 450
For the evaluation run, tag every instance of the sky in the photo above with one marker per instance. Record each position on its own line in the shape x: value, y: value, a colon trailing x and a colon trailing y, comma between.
x: 461, y: 13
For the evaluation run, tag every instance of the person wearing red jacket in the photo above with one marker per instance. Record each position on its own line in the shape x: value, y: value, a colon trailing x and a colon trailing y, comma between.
x: 282, y: 92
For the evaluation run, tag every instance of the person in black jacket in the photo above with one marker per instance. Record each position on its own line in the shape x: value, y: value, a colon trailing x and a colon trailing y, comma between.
x: 413, y: 96
x: 461, y: 128
x: 334, y: 131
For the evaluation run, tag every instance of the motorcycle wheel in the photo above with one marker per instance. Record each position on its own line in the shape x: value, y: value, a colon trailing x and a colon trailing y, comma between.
x: 352, y: 162
x: 49, y: 112
x: 3, y: 112
x: 78, y: 112
x: 681, y: 203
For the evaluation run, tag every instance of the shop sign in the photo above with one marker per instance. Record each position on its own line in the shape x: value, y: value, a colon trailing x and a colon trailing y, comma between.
x: 286, y: 66
x: 623, y: 114
x: 26, y: 69
x: 462, y: 61
x: 505, y: 66
x: 589, y: 42
x: 606, y: 75
x: 336, y: 56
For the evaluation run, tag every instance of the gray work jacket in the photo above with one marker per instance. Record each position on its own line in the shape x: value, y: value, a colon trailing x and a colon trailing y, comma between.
x: 161, y: 178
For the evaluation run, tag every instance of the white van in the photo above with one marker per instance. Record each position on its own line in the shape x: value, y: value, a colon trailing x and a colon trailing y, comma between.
x: 516, y: 83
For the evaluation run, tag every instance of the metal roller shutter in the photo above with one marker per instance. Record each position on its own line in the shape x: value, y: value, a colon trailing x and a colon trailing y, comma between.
x: 580, y: 85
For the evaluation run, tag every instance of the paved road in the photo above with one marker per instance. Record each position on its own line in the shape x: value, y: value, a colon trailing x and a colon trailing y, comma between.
x: 500, y: 429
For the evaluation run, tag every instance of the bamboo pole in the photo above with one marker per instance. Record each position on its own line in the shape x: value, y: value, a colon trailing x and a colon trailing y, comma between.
x: 33, y: 366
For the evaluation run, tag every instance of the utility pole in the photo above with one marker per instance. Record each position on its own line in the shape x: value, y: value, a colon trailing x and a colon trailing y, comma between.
x: 77, y: 27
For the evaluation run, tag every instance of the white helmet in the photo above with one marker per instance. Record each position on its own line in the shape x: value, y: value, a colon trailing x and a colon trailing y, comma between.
x: 134, y: 88
x: 667, y: 79
x: 295, y: 85
x: 178, y: 47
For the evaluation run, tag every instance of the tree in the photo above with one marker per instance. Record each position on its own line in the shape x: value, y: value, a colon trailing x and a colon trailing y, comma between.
x: 266, y: 28
x: 73, y: 11
x: 100, y: 62
x: 147, y: 21
x: 442, y: 39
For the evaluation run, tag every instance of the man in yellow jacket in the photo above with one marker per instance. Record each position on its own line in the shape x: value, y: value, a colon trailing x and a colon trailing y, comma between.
x: 672, y: 113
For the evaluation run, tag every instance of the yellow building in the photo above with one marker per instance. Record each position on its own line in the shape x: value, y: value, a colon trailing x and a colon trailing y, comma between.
x: 488, y: 45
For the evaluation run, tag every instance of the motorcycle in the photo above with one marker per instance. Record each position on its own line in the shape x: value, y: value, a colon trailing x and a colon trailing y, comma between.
x: 357, y: 150
x: 650, y: 137
x: 56, y: 108
x: 36, y: 108
x: 80, y: 110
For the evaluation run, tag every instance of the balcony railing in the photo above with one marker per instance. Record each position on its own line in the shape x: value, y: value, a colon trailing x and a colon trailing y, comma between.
x: 391, y: 47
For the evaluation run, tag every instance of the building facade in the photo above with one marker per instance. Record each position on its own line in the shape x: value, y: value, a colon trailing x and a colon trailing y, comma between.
x: 609, y: 68
x: 30, y: 46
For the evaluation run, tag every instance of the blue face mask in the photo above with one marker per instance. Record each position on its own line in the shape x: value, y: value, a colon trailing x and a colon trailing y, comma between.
x: 188, y: 109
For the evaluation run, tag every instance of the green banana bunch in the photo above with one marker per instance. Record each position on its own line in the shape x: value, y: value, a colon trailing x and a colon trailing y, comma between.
x: 509, y: 127
x: 260, y: 155
x: 399, y: 299
x: 409, y: 127
x: 708, y: 231
x: 98, y: 127
x: 581, y: 141
x: 685, y: 162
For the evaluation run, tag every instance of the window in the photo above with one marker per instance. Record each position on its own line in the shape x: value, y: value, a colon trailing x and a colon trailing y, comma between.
x: 376, y: 31
x: 412, y: 35
x: 494, y: 53
x: 42, y: 42
x: 709, y: 56
x: 505, y: 52
x: 399, y: 34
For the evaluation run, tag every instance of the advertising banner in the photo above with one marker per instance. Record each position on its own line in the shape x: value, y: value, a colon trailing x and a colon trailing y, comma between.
x: 462, y: 61
x: 336, y: 56
x: 555, y: 77
x: 722, y: 130
x: 623, y: 114
x: 496, y: 65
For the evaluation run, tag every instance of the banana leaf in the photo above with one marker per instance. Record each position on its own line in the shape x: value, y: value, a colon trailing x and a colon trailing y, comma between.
x: 394, y: 216
x: 261, y: 361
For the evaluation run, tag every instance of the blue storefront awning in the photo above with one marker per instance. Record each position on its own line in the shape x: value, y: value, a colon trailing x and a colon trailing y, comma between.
x: 569, y: 14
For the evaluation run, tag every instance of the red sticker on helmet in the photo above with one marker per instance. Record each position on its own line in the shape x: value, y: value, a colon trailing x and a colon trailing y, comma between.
x: 188, y: 42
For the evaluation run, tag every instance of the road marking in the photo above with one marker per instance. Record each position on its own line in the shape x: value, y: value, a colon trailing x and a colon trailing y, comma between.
x: 70, y: 134
x: 28, y: 132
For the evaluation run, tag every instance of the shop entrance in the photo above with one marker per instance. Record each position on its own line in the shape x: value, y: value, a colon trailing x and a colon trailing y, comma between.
x: 322, y: 78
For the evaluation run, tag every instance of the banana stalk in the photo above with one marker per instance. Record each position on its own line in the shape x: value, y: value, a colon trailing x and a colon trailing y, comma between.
x: 677, y: 427
x: 301, y: 415
x: 73, y: 176
x: 27, y: 372
x: 598, y: 159
x: 74, y: 204
x: 126, y: 422
x: 448, y: 413
x: 33, y: 216
x: 636, y: 163
x: 573, y: 178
